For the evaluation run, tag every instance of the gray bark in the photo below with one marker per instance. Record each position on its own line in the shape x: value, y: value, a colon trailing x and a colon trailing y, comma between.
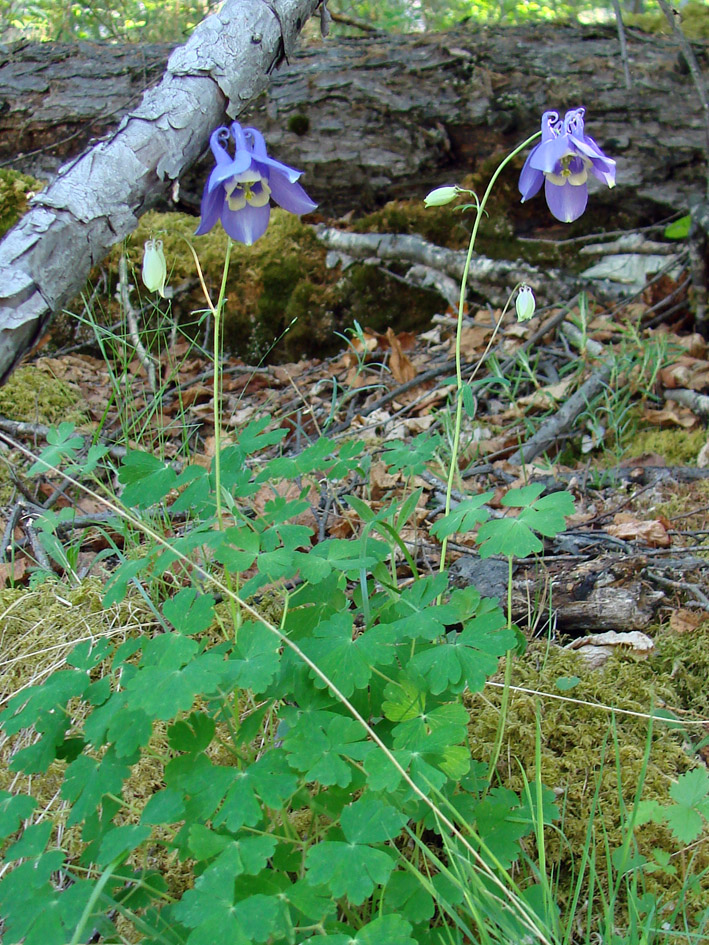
x: 383, y: 117
x: 96, y: 200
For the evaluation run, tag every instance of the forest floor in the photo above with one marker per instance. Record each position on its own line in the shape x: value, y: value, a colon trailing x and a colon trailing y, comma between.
x: 605, y: 403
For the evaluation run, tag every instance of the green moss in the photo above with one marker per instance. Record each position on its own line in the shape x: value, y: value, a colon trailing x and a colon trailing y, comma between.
x: 299, y: 124
x: 677, y: 446
x: 34, y: 396
x: 261, y: 284
x: 15, y: 189
x: 578, y: 750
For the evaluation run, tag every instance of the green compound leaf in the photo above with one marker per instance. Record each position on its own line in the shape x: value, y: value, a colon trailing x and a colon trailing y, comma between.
x: 188, y: 611
x: 348, y: 869
x: 146, y: 478
x: 419, y: 615
x: 464, y: 517
x: 13, y: 810
x: 35, y: 912
x: 209, y: 908
x: 32, y: 843
x: 121, y: 841
x: 545, y: 515
x: 507, y: 536
x: 169, y: 686
x: 87, y: 780
x: 468, y: 658
x: 370, y: 820
x: 516, y: 536
x: 255, y: 659
x: 269, y: 779
x: 192, y: 734
x: 405, y: 896
x: 352, y: 556
x: 411, y: 458
x: 686, y: 816
x: 63, y: 444
x: 32, y: 705
x: 348, y: 660
x: 384, y: 930
x: 317, y: 743
x: 236, y: 547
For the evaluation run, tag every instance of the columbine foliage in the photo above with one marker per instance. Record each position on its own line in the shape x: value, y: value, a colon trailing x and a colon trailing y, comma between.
x: 297, y: 825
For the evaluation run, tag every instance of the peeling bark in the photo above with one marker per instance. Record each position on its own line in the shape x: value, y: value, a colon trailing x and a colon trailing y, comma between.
x: 97, y: 199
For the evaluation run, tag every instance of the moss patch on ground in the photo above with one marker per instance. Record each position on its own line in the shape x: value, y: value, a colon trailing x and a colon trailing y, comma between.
x: 580, y: 755
x: 32, y: 395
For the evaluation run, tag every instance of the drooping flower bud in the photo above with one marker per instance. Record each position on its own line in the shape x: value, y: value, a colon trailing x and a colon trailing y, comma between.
x: 154, y: 267
x: 525, y: 304
x: 441, y: 196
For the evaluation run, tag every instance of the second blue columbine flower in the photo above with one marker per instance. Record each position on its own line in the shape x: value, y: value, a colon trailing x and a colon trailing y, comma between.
x: 562, y: 161
x: 240, y: 188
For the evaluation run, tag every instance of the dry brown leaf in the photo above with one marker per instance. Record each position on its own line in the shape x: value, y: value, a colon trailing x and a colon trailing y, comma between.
x: 686, y: 621
x: 473, y: 340
x: 401, y: 367
x: 547, y: 396
x: 13, y: 571
x: 629, y: 528
x: 597, y: 648
x: 381, y: 481
x: 674, y: 415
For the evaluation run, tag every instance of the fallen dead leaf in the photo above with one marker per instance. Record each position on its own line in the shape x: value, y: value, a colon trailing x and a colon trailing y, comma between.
x: 679, y: 416
x: 13, y: 571
x: 629, y: 528
x: 596, y: 649
x: 401, y: 367
x: 685, y: 621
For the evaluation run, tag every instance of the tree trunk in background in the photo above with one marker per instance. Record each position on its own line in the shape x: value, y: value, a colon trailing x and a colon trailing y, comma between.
x: 96, y: 200
x: 375, y: 118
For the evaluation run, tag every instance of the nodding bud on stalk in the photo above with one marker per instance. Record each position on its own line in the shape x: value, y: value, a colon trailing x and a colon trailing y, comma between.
x: 525, y: 304
x: 154, y: 267
x: 441, y: 196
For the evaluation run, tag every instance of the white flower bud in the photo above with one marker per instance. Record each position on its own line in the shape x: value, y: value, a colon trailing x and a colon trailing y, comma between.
x: 441, y: 196
x: 525, y: 304
x: 154, y: 267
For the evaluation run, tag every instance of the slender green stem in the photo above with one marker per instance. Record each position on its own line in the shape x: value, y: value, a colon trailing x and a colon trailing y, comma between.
x: 504, y: 705
x: 480, y: 209
x: 217, y: 381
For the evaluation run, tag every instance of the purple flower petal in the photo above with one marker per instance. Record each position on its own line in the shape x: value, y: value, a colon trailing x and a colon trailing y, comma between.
x: 212, y: 203
x: 565, y: 201
x: 288, y: 195
x: 224, y: 172
x: 246, y: 225
x: 563, y: 159
x: 530, y: 180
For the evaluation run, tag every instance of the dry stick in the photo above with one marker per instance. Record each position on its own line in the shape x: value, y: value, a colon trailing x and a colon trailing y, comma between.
x: 697, y: 403
x: 621, y: 40
x: 560, y: 422
x: 523, y: 911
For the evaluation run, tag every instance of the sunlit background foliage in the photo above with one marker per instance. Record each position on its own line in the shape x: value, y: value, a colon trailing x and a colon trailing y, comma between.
x: 172, y: 20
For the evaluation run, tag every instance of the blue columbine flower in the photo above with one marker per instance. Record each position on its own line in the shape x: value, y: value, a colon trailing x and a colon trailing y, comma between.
x: 561, y: 161
x: 240, y: 188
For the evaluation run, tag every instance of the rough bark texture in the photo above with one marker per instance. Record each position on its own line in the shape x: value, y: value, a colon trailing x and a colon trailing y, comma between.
x: 96, y: 200
x: 386, y: 116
